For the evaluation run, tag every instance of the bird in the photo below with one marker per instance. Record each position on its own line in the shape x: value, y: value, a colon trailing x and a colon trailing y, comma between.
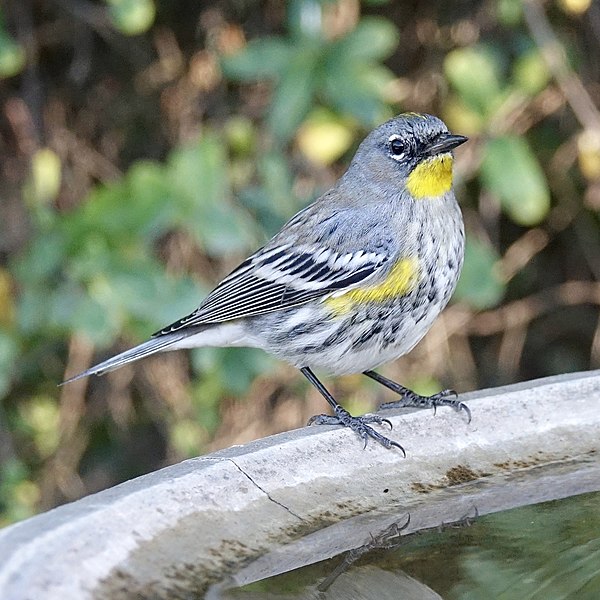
x: 352, y: 281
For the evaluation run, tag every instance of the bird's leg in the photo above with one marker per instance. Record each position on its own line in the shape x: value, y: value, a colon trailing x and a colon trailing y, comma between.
x: 342, y: 417
x: 410, y: 398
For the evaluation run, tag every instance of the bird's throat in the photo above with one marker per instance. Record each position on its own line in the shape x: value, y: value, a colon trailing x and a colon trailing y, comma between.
x: 431, y: 178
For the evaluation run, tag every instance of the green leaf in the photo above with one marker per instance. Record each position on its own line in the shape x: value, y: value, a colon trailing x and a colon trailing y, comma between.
x: 147, y: 200
x: 42, y: 259
x: 275, y: 175
x: 373, y: 39
x: 264, y: 58
x: 227, y: 231
x: 95, y: 255
x: 146, y: 293
x: 92, y: 320
x: 510, y: 12
x: 530, y: 73
x: 198, y: 175
x: 200, y: 186
x: 69, y: 309
x: 241, y: 135
x: 8, y: 355
x: 294, y: 94
x: 475, y: 73
x: 511, y: 172
x: 305, y: 18
x: 241, y: 366
x: 18, y: 494
x: 137, y: 205
x: 236, y: 367
x: 32, y: 307
x: 12, y: 55
x: 258, y: 201
x: 273, y: 201
x: 132, y: 17
x: 480, y: 285
x: 177, y: 297
x: 353, y: 81
x: 358, y: 90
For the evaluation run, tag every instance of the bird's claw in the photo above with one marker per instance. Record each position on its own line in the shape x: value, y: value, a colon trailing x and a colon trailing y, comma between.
x: 358, y: 424
x: 443, y: 398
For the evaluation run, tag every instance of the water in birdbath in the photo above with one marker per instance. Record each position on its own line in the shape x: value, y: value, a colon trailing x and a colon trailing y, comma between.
x: 546, y: 551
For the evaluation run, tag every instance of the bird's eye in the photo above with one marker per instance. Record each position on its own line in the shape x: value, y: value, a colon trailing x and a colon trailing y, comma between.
x: 397, y: 147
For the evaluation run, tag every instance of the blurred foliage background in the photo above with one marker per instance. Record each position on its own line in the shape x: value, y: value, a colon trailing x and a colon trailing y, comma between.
x: 148, y: 146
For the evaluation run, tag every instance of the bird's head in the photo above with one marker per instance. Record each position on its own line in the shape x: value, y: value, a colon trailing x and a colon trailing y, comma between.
x: 412, y: 151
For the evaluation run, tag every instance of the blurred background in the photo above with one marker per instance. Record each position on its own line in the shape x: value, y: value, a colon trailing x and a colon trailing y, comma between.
x: 147, y: 146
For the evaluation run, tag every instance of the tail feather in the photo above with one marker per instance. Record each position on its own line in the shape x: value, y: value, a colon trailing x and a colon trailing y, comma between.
x: 146, y: 349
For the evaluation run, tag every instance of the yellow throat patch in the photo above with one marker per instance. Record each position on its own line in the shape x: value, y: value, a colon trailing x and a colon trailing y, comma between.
x: 401, y: 280
x: 432, y: 177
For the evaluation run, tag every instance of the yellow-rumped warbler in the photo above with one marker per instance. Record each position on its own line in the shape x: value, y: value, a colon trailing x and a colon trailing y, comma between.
x: 354, y: 280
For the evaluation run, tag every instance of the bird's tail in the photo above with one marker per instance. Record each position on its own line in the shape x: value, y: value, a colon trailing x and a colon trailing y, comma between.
x: 152, y: 346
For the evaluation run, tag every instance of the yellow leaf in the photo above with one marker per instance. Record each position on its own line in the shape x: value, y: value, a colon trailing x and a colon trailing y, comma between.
x: 7, y: 301
x: 323, y: 139
x: 588, y: 146
x: 575, y: 7
x: 45, y: 176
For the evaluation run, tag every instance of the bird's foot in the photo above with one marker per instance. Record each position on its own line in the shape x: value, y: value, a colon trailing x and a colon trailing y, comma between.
x: 358, y: 424
x: 443, y: 398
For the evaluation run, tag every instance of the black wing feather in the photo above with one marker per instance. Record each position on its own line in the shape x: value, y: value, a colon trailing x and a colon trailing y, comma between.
x: 274, y: 279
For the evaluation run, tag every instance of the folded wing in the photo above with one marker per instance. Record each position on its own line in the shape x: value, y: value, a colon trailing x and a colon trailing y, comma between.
x: 280, y: 277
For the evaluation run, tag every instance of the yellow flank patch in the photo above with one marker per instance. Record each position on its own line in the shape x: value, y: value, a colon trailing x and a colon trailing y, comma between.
x: 401, y: 280
x: 432, y: 177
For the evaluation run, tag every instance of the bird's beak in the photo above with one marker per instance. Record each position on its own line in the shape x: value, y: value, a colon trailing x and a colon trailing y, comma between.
x: 444, y: 143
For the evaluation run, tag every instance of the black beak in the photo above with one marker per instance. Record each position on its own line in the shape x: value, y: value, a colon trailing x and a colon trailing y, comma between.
x: 444, y: 143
